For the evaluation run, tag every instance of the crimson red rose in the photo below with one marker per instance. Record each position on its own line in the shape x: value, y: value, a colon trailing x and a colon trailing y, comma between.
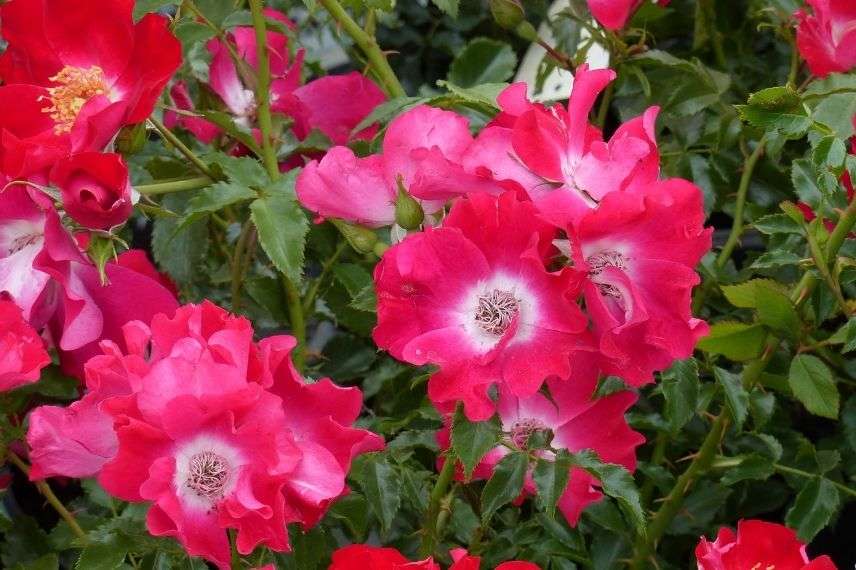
x: 96, y: 189
x: 757, y: 544
x: 101, y: 70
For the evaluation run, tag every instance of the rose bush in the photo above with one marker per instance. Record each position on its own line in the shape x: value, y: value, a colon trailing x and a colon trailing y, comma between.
x: 350, y: 284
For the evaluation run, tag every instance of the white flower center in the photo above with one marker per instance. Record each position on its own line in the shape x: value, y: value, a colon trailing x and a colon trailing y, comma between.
x: 206, y: 471
x: 522, y: 430
x: 496, y: 311
x: 601, y: 260
x: 208, y: 475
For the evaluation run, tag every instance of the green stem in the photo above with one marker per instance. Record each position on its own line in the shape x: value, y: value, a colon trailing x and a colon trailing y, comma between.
x: 737, y: 225
x: 170, y: 137
x: 605, y: 102
x: 647, y: 543
x: 799, y: 472
x: 796, y: 61
x: 239, y: 263
x: 707, y: 13
x: 309, y: 300
x: 657, y: 457
x: 822, y: 265
x: 430, y: 533
x: 263, y: 89
x: 52, y: 499
x: 369, y: 47
x: 170, y: 186
x: 751, y: 374
x: 298, y: 322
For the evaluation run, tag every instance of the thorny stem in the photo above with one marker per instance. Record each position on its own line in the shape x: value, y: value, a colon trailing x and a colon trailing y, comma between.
x: 309, y: 300
x: 822, y: 265
x: 170, y: 186
x: 430, y: 530
x: 297, y: 319
x: 670, y: 507
x: 740, y: 204
x: 737, y: 225
x: 263, y: 89
x: 240, y: 261
x: 369, y: 47
x: 799, y: 472
x: 170, y: 137
x: 292, y: 294
x: 49, y: 496
x: 646, y: 545
x: 563, y: 59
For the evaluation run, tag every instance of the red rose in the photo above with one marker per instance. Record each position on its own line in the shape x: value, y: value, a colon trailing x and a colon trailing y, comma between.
x: 96, y: 189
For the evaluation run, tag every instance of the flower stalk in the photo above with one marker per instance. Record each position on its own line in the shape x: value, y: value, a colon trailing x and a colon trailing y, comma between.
x: 368, y: 45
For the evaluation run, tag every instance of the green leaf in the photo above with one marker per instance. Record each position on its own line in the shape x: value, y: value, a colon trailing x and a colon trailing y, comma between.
x: 792, y: 125
x: 483, y: 60
x: 746, y: 295
x: 777, y: 224
x: 213, y: 199
x: 551, y: 478
x: 846, y: 335
x: 804, y: 179
x: 472, y: 440
x: 680, y: 388
x: 215, y: 10
x: 736, y: 398
x: 179, y: 252
x: 754, y: 466
x: 382, y: 488
x: 143, y: 7
x: 829, y: 154
x: 365, y: 300
x: 450, y: 7
x: 107, y: 555
x: 353, y: 277
x: 616, y: 482
x: 783, y: 98
x: 775, y: 259
x: 242, y: 170
x: 483, y: 96
x: 46, y: 562
x: 505, y: 484
x: 231, y: 128
x: 53, y: 384
x: 387, y: 111
x: 282, y: 226
x: 813, y: 508
x: 776, y: 310
x: 812, y: 383
x: 736, y: 341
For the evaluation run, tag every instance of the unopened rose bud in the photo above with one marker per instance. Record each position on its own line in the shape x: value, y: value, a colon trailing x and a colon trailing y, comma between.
x: 361, y: 239
x: 408, y: 212
x: 507, y: 13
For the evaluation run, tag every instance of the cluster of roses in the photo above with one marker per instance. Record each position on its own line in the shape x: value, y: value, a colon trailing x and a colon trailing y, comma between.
x: 544, y: 213
x: 546, y: 217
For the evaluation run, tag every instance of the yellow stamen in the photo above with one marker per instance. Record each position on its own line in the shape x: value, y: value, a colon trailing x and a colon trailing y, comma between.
x: 75, y: 87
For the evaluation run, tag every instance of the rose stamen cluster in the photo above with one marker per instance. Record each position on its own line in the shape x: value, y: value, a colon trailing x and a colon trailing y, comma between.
x: 76, y: 86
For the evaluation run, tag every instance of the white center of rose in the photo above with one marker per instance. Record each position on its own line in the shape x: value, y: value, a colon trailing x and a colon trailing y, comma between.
x: 490, y: 307
x: 208, y: 475
x: 206, y: 471
x: 522, y: 430
x: 601, y: 260
x: 495, y: 311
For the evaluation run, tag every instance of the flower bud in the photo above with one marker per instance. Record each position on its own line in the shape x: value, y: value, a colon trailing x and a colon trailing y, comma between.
x: 96, y: 189
x: 361, y: 239
x: 507, y: 13
x: 131, y: 139
x: 408, y: 211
